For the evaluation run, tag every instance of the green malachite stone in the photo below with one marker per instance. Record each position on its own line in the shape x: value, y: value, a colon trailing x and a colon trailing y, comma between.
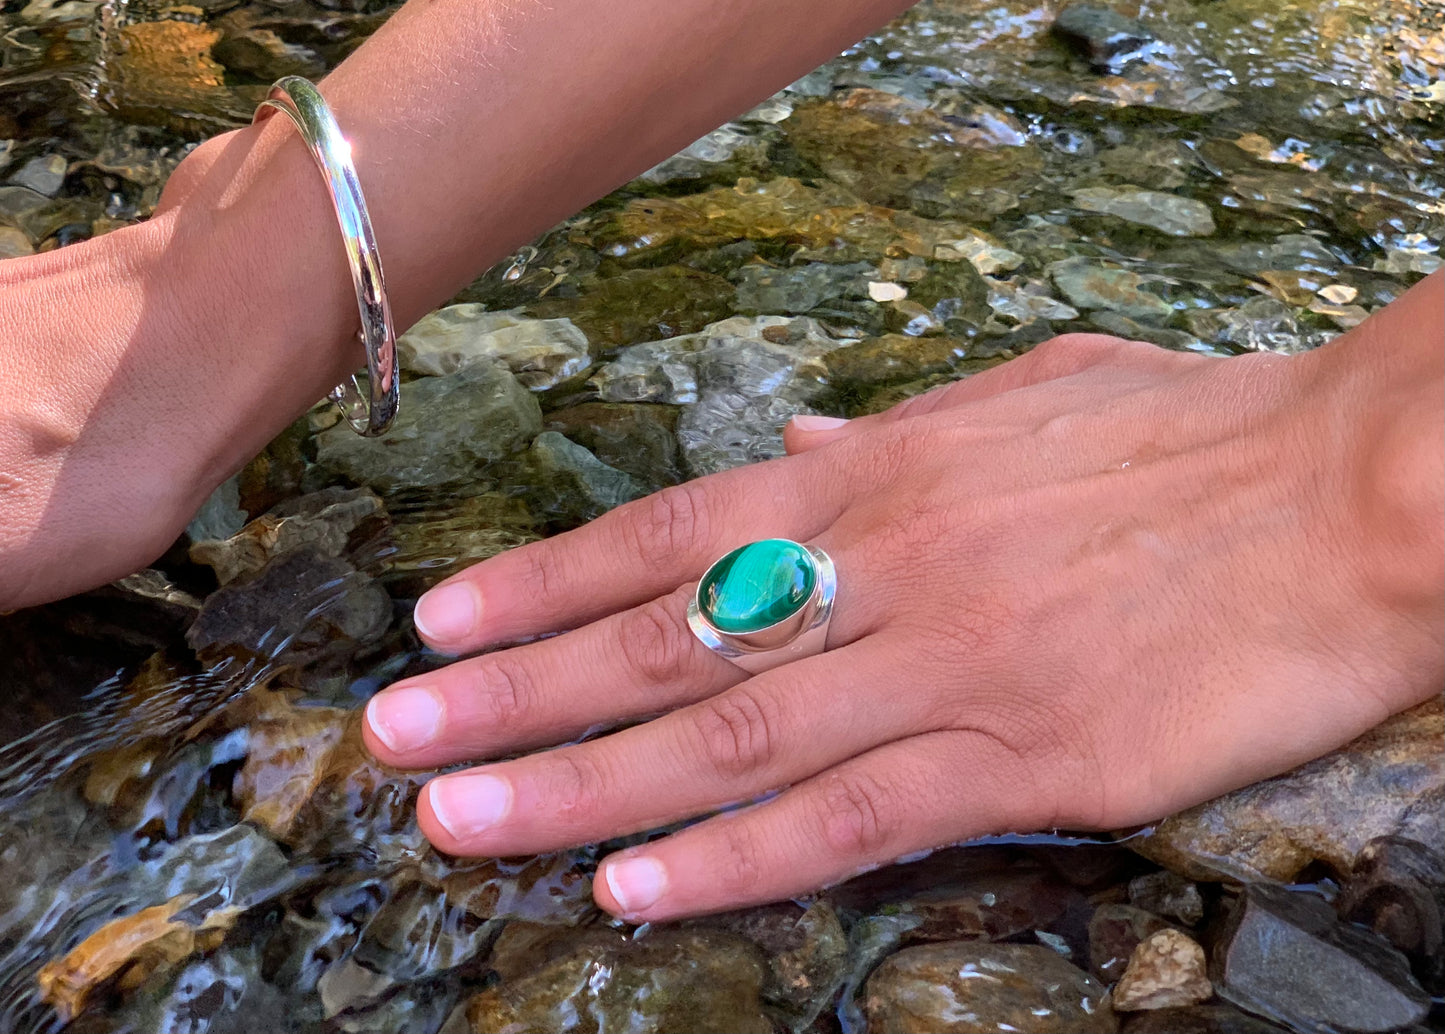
x: 756, y: 586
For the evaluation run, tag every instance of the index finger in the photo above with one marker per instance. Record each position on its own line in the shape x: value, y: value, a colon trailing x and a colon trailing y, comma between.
x: 637, y: 552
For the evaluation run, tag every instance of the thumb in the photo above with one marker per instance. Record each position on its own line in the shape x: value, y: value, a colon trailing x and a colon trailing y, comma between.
x: 808, y: 431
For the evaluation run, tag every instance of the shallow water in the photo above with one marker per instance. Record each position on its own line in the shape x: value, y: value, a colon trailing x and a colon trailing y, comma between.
x: 941, y: 197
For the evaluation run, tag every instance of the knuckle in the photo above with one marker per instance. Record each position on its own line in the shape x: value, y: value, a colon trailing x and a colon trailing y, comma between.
x: 737, y: 732
x: 739, y: 860
x: 541, y: 576
x: 653, y: 643
x: 669, y: 525
x: 858, y: 815
x: 575, y: 787
x: 505, y: 691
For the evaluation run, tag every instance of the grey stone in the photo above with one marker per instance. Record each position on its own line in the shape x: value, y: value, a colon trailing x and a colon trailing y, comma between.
x: 637, y: 438
x: 447, y: 428
x: 970, y: 986
x: 1167, y: 894
x: 1285, y: 956
x: 800, y: 289
x: 740, y: 380
x: 540, y: 353
x: 1167, y: 213
x: 44, y: 174
x: 220, y: 516
x: 14, y: 242
x: 1166, y: 337
x: 1108, y: 39
x: 1399, y: 261
x: 1022, y: 301
x: 706, y: 154
x: 1115, y: 930
x: 1091, y: 285
x: 572, y: 482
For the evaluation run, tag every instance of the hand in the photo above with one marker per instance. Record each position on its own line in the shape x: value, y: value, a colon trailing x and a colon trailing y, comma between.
x: 1083, y: 589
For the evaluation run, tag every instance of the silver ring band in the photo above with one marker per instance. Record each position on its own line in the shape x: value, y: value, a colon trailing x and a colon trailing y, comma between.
x: 369, y: 412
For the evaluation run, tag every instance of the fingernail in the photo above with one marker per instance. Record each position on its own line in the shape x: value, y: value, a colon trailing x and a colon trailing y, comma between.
x: 468, y: 804
x: 813, y: 422
x: 449, y: 613
x: 405, y: 718
x: 636, y: 883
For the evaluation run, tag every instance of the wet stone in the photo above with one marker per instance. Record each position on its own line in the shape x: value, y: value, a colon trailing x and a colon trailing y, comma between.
x: 1115, y: 930
x: 1091, y: 285
x: 977, y: 987
x: 286, y: 755
x: 1387, y: 782
x: 1167, y: 894
x: 893, y: 358
x: 220, y: 516
x: 727, y: 152
x: 1166, y: 337
x: 639, y: 439
x: 265, y: 55
x: 436, y: 538
x: 540, y: 353
x: 1259, y: 325
x: 642, y: 305
x: 1398, y: 890
x: 14, y: 243
x: 1285, y: 956
x: 571, y: 484
x: 447, y: 429
x: 702, y: 981
x: 1167, y: 213
x: 1166, y: 971
x: 44, y: 174
x: 1217, y: 1018
x: 1023, y: 301
x: 800, y: 289
x: 1103, y: 36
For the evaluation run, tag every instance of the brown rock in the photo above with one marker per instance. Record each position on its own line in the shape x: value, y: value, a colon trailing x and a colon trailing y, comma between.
x: 1167, y: 971
x: 126, y: 952
x: 1114, y: 932
x: 1327, y: 811
x: 967, y: 987
x: 286, y: 761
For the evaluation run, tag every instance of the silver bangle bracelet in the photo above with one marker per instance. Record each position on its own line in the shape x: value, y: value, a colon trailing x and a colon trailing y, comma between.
x: 370, y: 411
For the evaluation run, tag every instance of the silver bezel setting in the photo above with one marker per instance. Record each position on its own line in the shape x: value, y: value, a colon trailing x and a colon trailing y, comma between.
x: 803, y: 633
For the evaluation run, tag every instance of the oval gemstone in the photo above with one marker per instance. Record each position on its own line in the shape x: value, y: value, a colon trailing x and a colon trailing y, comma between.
x: 757, y: 585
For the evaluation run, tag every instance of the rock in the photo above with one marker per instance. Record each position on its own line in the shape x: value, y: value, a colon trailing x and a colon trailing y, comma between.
x: 44, y: 174
x: 743, y: 378
x: 669, y: 980
x: 161, y: 73
x: 1259, y: 325
x: 729, y: 149
x: 286, y: 755
x: 441, y: 537
x: 1166, y: 971
x: 1218, y: 1018
x: 1108, y: 39
x: 1114, y: 932
x: 1167, y: 894
x: 986, y: 254
x: 572, y: 484
x: 893, y: 358
x: 1399, y: 261
x: 220, y: 516
x: 14, y: 243
x: 1022, y: 301
x: 642, y: 304
x: 766, y: 289
x: 974, y: 986
x: 992, y: 906
x: 447, y: 428
x: 415, y: 934
x: 1388, y: 782
x: 302, y: 607
x: 1398, y: 890
x: 1167, y: 213
x: 636, y: 438
x: 1285, y: 956
x: 128, y: 951
x: 39, y: 216
x: 551, y: 888
x: 540, y: 353
x: 265, y: 55
x: 1090, y: 285
x: 1122, y: 326
x: 324, y: 521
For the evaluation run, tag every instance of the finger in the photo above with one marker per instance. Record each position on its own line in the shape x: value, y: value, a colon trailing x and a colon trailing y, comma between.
x: 809, y: 431
x: 902, y: 797
x: 627, y: 556
x: 637, y: 663
x: 773, y: 729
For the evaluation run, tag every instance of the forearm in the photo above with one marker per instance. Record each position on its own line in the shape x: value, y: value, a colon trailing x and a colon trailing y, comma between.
x: 475, y: 125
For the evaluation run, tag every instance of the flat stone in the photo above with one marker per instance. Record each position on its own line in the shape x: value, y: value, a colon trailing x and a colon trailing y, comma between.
x: 757, y: 585
x: 571, y: 483
x: 637, y: 438
x: 44, y: 174
x: 1285, y: 956
x: 540, y: 353
x: 893, y: 358
x: 968, y: 987
x: 1167, y: 213
x: 1388, y: 782
x: 447, y: 429
x: 1166, y: 971
x: 1090, y: 285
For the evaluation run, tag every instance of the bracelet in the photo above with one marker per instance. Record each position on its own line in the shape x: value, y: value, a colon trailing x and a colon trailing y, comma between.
x: 369, y: 412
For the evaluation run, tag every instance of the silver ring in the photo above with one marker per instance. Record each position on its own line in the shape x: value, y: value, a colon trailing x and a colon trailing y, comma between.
x: 369, y: 412
x: 765, y: 604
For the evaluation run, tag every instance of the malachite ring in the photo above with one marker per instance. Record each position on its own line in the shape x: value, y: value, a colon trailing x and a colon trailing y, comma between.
x: 765, y: 604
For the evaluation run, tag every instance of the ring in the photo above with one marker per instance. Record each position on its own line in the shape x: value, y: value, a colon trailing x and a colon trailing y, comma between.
x: 765, y: 604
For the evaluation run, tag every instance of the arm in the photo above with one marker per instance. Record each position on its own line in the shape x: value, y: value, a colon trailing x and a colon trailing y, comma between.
x: 186, y: 343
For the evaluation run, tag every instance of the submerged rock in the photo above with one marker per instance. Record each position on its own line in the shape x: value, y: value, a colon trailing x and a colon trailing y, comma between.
x: 572, y: 484
x: 540, y: 353
x: 436, y: 538
x: 1166, y: 971
x: 1108, y: 39
x: 893, y: 358
x: 44, y: 174
x: 1284, y: 955
x: 1388, y: 782
x: 639, y: 439
x: 1090, y: 285
x: 976, y: 987
x: 448, y: 428
x: 642, y: 304
x: 669, y: 980
x: 287, y: 751
x: 1167, y: 213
